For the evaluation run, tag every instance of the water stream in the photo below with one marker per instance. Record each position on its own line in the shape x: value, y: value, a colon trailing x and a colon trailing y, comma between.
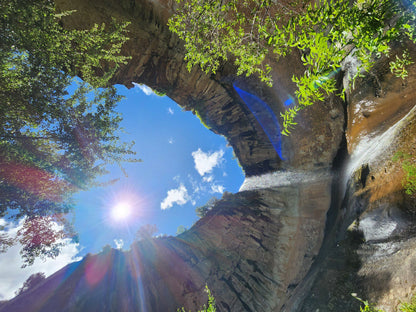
x: 282, y: 178
x: 369, y: 148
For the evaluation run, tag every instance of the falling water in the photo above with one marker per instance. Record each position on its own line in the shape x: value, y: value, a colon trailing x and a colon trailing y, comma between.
x: 369, y: 148
x: 282, y: 178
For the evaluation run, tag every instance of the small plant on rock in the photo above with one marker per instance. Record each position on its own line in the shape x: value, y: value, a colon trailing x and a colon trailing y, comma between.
x: 211, y: 303
x: 404, y: 307
x: 409, y: 168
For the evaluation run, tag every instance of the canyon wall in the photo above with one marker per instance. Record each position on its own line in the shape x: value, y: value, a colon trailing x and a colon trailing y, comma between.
x: 326, y: 218
x: 372, y: 252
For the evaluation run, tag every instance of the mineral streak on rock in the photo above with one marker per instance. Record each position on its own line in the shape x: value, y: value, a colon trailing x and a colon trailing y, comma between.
x: 276, y: 245
x: 373, y: 236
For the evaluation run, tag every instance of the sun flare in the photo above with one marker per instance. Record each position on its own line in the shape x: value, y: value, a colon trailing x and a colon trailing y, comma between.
x: 121, y: 211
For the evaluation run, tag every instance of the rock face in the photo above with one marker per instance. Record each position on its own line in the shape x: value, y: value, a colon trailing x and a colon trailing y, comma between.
x: 158, y: 61
x: 372, y: 251
x: 290, y: 240
x: 252, y: 249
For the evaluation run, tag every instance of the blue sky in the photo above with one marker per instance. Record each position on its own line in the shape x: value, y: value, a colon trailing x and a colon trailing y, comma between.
x: 184, y: 165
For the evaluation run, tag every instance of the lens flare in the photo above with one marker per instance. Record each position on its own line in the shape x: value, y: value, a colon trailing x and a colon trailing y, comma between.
x: 123, y: 208
x: 266, y: 118
x: 121, y: 211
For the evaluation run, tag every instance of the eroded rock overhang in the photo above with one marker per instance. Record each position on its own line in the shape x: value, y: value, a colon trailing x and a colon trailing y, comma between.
x: 157, y: 60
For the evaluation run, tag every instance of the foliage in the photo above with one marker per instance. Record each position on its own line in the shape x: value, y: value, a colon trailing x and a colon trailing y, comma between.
x: 409, y: 306
x: 404, y: 307
x: 181, y: 229
x: 52, y: 142
x: 203, y: 210
x: 42, y: 237
x: 33, y: 280
x: 367, y: 306
x: 398, y: 67
x: 159, y: 93
x: 146, y: 232
x: 106, y: 249
x: 202, y: 120
x: 324, y: 33
x: 211, y: 303
x: 409, y: 168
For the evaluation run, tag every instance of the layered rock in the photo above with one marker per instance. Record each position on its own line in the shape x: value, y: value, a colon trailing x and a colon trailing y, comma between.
x: 372, y: 248
x: 158, y: 61
x: 386, y: 219
x: 252, y: 249
x: 282, y: 243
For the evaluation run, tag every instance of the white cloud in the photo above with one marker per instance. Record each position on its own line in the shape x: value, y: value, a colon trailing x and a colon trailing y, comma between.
x: 119, y: 243
x: 205, y: 162
x: 145, y: 89
x: 170, y: 111
x: 161, y: 235
x: 13, y: 276
x: 208, y: 179
x: 197, y: 186
x: 178, y: 196
x: 217, y: 188
x: 171, y: 141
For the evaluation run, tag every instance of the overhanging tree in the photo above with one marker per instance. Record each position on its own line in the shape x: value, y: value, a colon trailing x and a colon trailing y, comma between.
x: 325, y: 32
x: 53, y: 143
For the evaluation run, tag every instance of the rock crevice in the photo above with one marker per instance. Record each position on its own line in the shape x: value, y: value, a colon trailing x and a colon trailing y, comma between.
x: 287, y: 241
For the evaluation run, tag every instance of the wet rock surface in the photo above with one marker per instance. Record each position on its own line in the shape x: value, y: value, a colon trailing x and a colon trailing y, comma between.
x: 369, y: 250
x: 290, y: 241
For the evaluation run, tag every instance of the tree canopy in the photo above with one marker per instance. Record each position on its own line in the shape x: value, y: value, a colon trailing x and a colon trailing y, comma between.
x: 201, y: 211
x: 325, y: 32
x: 53, y: 141
x: 146, y: 232
x: 32, y: 281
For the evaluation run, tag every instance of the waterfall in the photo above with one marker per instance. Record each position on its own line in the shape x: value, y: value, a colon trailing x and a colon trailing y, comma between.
x: 369, y: 148
x: 282, y: 178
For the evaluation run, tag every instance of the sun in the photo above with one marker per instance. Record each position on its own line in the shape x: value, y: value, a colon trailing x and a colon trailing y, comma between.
x: 121, y: 211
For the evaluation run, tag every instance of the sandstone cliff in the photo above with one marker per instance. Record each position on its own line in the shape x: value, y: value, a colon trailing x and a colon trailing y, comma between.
x: 330, y: 219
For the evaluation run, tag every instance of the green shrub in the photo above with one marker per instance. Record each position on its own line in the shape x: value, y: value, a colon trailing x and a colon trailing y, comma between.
x: 409, y: 168
x: 211, y: 303
x: 323, y: 33
x: 404, y: 307
x: 409, y: 307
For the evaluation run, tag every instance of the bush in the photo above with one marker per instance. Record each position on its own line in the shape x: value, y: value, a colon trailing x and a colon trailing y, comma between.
x: 211, y: 303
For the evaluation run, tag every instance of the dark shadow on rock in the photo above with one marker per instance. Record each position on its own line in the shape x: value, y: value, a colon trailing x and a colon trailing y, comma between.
x: 337, y: 278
